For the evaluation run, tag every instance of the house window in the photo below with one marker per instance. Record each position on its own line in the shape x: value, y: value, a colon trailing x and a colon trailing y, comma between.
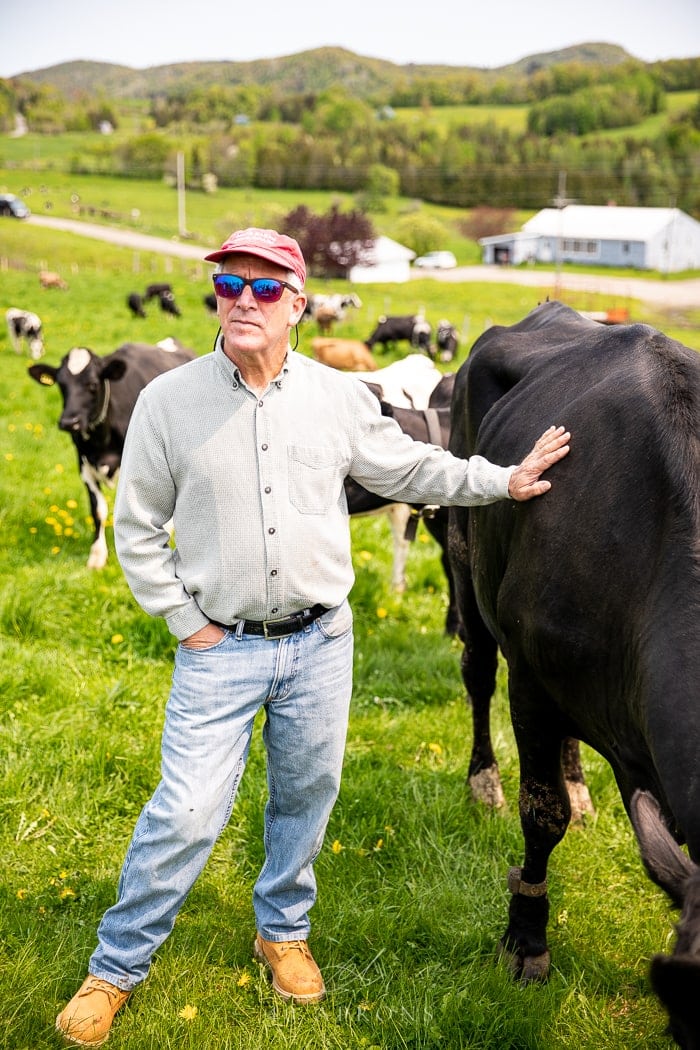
x: 625, y: 248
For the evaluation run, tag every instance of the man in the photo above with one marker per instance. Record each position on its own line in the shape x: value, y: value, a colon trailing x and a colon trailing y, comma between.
x: 246, y: 449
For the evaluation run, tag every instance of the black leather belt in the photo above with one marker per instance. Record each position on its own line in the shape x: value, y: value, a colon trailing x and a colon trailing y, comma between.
x: 282, y: 627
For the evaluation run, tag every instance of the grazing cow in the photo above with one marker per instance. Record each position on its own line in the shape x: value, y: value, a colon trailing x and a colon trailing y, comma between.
x: 412, y: 328
x: 99, y: 394
x: 154, y: 291
x: 446, y: 341
x: 24, y: 329
x: 347, y: 354
x: 592, y: 592
x: 135, y: 303
x: 209, y: 301
x: 168, y: 304
x: 50, y: 279
x: 327, y: 308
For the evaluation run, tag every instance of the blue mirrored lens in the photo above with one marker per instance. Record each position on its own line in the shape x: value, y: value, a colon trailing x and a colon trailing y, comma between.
x: 264, y: 289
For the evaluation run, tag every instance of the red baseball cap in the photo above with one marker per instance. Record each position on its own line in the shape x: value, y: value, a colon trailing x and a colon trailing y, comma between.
x: 265, y: 244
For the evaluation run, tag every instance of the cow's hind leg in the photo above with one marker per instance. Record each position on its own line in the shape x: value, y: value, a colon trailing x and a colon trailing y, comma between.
x: 544, y: 816
x: 579, y: 795
x: 479, y: 665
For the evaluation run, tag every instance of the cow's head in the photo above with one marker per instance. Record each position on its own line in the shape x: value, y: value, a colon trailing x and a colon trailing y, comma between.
x: 84, y: 379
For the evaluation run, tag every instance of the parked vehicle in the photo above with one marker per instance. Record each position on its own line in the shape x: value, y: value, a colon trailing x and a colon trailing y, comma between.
x: 11, y: 205
x: 436, y: 261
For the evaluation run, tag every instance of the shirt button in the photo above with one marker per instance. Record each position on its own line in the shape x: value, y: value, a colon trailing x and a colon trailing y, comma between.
x: 260, y: 404
x: 264, y: 448
x: 268, y: 489
x: 274, y: 610
x: 273, y: 572
x: 271, y: 531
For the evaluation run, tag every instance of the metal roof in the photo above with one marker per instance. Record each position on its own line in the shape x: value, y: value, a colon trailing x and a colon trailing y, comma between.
x: 608, y: 222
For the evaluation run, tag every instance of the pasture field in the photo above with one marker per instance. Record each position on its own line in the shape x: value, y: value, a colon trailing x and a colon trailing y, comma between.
x: 412, y: 876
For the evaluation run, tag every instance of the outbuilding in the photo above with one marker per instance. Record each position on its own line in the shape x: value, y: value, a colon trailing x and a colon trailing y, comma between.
x: 386, y: 260
x: 662, y: 239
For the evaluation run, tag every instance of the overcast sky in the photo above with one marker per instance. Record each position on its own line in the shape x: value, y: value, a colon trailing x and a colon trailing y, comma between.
x: 35, y: 34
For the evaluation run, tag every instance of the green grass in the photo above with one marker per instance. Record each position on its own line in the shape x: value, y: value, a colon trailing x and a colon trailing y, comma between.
x: 412, y: 877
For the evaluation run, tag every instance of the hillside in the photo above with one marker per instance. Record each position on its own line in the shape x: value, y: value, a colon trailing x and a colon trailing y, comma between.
x: 307, y: 71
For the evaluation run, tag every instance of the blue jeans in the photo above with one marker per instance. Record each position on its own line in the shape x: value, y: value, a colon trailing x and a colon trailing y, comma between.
x: 304, y: 681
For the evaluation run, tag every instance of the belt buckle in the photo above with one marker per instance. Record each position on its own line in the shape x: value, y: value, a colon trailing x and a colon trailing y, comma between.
x: 296, y: 622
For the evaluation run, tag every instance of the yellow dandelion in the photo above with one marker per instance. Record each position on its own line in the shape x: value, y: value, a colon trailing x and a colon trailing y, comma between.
x: 45, y: 813
x: 55, y: 550
x: 424, y: 538
x: 71, y: 504
x: 59, y: 468
x: 11, y: 427
x: 117, y: 638
x: 244, y: 980
x: 21, y: 894
x: 188, y: 1013
x: 337, y: 847
x: 435, y: 748
x: 379, y: 844
x: 33, y: 530
x: 47, y: 492
x: 365, y: 556
x: 63, y: 874
x: 382, y: 613
x: 65, y: 893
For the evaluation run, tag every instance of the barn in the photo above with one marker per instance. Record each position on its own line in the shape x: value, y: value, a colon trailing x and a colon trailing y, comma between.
x: 387, y: 260
x: 663, y: 239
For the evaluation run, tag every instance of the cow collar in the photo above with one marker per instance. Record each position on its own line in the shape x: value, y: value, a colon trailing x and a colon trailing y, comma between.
x: 102, y: 414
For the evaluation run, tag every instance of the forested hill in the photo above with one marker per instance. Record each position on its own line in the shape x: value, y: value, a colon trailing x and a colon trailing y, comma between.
x: 308, y: 71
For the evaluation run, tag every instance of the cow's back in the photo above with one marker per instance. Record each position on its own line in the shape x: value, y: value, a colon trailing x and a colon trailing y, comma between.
x: 143, y: 363
x: 596, y: 585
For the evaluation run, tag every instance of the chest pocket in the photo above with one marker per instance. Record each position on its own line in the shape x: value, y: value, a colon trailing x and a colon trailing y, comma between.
x: 315, y: 477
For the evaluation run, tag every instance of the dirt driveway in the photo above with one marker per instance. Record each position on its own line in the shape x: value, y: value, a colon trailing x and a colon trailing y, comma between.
x: 668, y: 294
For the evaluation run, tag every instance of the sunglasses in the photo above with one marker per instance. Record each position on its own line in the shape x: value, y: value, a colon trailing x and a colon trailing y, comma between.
x: 264, y: 289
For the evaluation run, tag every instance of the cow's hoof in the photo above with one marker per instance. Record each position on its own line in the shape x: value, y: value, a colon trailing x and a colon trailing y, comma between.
x: 486, y: 787
x: 526, y: 968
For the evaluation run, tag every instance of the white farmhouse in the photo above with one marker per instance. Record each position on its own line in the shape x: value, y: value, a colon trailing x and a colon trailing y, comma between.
x: 662, y: 239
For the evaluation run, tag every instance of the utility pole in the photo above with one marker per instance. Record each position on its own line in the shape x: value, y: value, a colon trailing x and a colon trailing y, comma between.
x: 560, y: 202
x: 182, y: 225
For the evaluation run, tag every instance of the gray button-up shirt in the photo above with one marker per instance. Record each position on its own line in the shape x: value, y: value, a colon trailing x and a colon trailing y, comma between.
x: 253, y: 485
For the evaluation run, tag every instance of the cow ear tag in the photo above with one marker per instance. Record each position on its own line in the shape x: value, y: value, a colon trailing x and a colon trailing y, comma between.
x: 46, y: 380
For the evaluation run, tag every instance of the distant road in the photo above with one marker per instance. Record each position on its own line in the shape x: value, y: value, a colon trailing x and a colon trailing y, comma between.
x: 682, y: 294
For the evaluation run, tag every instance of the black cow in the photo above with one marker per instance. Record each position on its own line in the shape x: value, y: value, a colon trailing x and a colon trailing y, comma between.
x: 168, y: 304
x: 99, y: 394
x: 412, y: 328
x: 209, y: 301
x: 154, y: 291
x: 135, y: 303
x: 446, y: 341
x: 592, y: 591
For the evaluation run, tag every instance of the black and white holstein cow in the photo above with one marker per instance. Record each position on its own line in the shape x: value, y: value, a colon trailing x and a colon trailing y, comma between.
x: 99, y: 394
x: 592, y: 592
x: 25, y: 330
x: 412, y: 328
x: 432, y: 426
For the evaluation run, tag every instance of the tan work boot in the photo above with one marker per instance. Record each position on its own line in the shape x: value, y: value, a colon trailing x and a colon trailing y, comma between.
x: 295, y: 975
x: 87, y: 1018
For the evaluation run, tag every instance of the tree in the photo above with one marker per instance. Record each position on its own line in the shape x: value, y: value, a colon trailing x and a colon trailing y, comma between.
x: 331, y: 243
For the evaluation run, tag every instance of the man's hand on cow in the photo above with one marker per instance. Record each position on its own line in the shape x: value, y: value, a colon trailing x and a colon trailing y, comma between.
x: 525, y: 480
